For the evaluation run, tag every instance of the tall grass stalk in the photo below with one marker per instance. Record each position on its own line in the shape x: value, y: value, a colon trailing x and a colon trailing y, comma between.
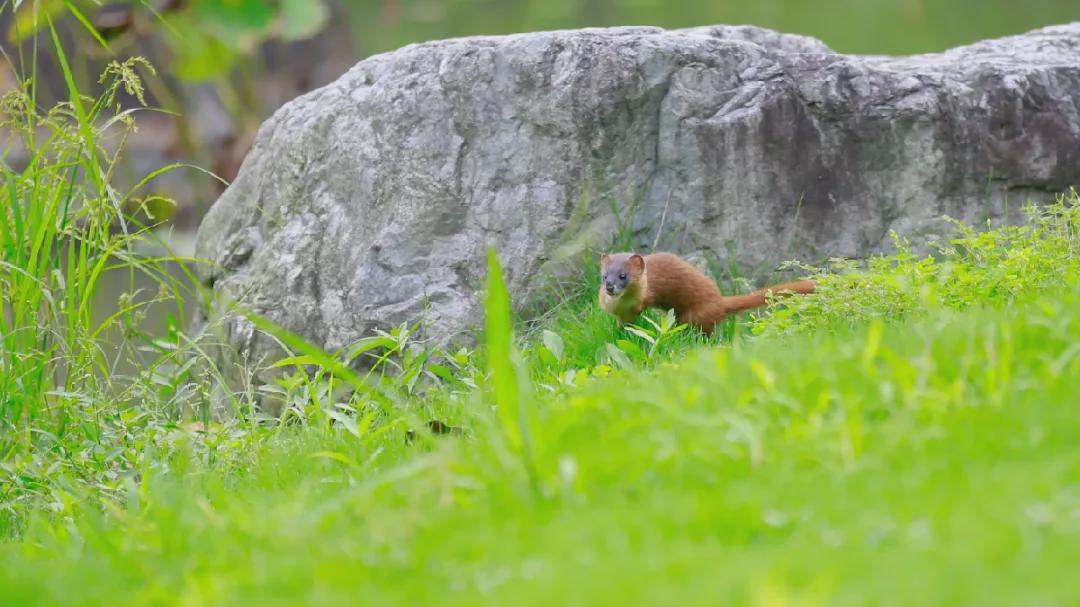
x: 509, y: 384
x: 63, y: 229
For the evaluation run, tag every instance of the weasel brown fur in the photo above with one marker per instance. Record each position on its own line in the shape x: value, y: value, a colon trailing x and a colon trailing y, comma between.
x: 631, y: 283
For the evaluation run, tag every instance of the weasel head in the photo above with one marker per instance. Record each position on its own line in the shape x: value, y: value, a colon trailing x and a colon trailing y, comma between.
x: 619, y: 272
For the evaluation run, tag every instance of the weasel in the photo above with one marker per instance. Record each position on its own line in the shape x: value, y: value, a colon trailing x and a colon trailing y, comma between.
x: 631, y: 283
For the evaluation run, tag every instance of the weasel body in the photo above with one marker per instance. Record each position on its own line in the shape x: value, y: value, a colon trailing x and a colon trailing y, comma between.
x: 631, y: 283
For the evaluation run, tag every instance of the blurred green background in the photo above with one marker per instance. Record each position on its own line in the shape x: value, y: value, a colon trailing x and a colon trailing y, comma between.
x: 224, y: 65
x: 850, y: 26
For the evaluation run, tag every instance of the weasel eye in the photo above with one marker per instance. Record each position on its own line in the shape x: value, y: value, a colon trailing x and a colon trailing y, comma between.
x: 622, y: 275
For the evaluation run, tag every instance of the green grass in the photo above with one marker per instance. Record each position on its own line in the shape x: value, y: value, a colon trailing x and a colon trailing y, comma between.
x: 926, y: 462
x: 904, y: 436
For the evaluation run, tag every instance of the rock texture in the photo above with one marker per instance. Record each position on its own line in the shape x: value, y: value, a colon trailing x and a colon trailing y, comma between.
x: 370, y: 202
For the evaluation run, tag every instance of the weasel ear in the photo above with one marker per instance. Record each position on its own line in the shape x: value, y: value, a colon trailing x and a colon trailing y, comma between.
x: 604, y: 259
x: 636, y: 262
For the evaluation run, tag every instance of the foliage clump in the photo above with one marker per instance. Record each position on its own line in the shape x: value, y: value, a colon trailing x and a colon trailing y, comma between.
x: 991, y: 267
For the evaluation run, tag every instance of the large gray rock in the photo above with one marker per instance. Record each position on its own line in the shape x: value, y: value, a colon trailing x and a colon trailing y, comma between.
x: 370, y: 202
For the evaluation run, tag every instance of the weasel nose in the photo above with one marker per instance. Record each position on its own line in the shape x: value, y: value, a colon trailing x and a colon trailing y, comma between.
x: 610, y: 288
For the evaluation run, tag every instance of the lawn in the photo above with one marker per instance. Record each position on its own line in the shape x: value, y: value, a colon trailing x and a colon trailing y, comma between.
x: 929, y: 461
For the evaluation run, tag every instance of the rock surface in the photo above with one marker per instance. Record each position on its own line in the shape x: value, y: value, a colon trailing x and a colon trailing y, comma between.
x: 370, y: 202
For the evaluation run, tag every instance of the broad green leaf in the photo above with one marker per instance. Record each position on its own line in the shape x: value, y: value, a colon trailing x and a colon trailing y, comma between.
x: 630, y: 348
x: 366, y: 345
x: 554, y: 343
x: 235, y: 16
x: 29, y: 20
x: 618, y: 356
x: 345, y: 420
x: 199, y: 55
x: 642, y: 334
x: 442, y: 373
x: 296, y: 360
x: 499, y: 343
x: 302, y: 18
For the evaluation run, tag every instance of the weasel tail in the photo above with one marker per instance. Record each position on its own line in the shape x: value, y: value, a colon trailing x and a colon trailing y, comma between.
x: 742, y: 303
